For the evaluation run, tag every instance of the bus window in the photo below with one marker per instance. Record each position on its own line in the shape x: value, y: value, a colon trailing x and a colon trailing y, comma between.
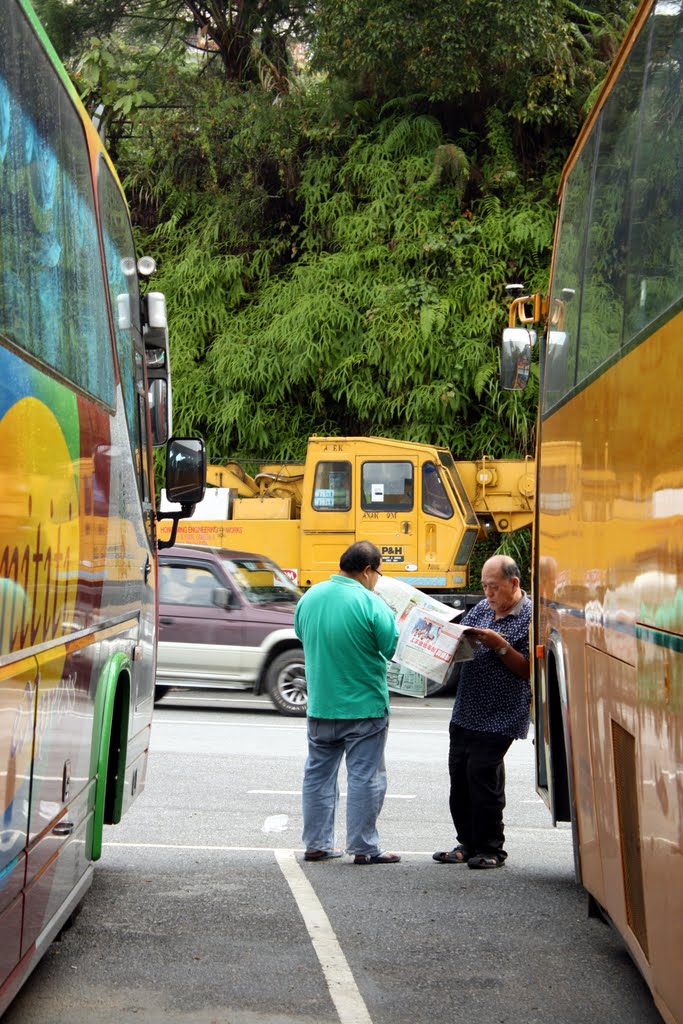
x: 122, y: 281
x: 604, y: 292
x: 50, y: 251
x: 560, y: 366
x: 655, y: 265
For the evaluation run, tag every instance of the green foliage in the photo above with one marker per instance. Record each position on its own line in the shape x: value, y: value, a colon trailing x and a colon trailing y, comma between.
x: 536, y: 61
x: 375, y: 309
x: 107, y: 80
x: 517, y: 545
x: 334, y: 249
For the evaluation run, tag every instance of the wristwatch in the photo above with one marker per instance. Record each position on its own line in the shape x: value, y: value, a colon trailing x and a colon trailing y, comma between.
x: 503, y: 650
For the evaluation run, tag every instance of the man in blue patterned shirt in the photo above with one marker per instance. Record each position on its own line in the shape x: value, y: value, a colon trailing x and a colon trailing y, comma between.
x: 491, y: 710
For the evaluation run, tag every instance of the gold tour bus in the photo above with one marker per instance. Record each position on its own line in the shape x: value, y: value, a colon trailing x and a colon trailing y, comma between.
x: 608, y: 558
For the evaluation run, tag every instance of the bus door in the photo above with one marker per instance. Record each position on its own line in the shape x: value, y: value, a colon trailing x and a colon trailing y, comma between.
x: 17, y: 721
x: 62, y: 785
x: 386, y: 512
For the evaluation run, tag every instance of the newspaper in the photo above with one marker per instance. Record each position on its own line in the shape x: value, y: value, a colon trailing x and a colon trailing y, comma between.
x: 406, y: 681
x: 429, y: 641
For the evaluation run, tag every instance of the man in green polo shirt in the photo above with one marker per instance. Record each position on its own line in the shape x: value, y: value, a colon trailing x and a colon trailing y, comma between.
x: 348, y: 634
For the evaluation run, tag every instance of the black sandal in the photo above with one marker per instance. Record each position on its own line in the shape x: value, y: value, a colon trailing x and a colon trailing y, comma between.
x: 486, y: 860
x: 458, y: 855
x: 377, y: 858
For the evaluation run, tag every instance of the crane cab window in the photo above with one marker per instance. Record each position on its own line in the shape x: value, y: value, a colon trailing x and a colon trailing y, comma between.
x: 332, y: 487
x: 387, y: 486
x: 435, y: 500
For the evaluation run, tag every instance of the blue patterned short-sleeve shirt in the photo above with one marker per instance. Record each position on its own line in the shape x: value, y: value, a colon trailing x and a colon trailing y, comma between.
x: 491, y: 698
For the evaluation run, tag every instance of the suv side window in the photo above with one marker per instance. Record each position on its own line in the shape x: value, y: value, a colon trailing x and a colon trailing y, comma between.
x: 187, y: 584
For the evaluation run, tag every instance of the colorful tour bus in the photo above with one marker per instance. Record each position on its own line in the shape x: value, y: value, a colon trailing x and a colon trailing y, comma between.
x: 608, y: 561
x: 84, y: 392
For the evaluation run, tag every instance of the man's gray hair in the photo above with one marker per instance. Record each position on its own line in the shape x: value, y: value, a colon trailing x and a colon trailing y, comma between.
x: 509, y: 568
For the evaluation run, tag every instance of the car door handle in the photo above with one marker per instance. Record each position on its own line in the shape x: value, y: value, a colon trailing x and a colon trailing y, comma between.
x: 166, y: 622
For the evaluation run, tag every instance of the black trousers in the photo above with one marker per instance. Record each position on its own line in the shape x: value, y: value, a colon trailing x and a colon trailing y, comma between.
x: 477, y: 797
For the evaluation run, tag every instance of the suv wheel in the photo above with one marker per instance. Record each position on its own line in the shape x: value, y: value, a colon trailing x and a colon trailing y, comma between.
x: 286, y: 682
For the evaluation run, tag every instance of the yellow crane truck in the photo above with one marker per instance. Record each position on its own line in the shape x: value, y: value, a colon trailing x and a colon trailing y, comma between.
x: 423, y: 510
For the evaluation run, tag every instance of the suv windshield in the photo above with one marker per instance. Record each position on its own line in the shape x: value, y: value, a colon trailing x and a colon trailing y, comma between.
x: 261, y: 581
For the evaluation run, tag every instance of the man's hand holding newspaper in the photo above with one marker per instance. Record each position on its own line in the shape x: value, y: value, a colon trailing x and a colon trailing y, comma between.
x: 429, y: 641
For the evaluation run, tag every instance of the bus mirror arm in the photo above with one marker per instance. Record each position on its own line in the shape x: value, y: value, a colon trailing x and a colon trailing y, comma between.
x: 185, y: 512
x: 518, y: 309
x: 185, y: 481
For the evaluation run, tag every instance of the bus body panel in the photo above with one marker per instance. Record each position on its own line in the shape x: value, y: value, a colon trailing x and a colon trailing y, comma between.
x: 10, y: 925
x: 58, y: 860
x: 610, y: 546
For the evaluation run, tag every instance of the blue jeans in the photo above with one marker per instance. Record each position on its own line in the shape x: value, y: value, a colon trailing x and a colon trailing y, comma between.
x: 363, y: 741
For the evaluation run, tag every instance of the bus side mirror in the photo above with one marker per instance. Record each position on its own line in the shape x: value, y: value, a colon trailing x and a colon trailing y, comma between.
x: 185, y: 470
x: 185, y: 480
x: 155, y: 337
x: 159, y: 408
x: 515, y: 358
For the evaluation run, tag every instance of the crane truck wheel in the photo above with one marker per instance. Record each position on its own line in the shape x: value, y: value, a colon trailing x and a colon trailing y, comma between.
x: 286, y: 682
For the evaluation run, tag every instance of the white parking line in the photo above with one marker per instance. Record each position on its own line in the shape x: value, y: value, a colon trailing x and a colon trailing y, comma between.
x: 176, y: 700
x: 347, y: 999
x: 560, y: 834
x: 297, y: 792
x: 300, y: 727
x: 224, y: 724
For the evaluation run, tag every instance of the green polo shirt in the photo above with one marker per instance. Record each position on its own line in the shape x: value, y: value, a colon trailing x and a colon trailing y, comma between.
x: 348, y: 634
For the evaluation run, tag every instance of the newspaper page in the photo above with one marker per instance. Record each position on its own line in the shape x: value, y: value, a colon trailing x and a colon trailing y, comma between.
x: 406, y: 681
x: 402, y: 598
x: 429, y: 641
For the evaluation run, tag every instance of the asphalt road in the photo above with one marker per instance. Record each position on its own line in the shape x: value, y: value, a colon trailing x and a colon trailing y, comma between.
x: 203, y: 911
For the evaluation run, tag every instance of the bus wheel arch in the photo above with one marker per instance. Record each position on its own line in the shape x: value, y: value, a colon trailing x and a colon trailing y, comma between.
x: 110, y: 746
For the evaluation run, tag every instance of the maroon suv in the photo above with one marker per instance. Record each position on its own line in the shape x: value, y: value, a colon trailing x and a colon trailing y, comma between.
x: 225, y: 620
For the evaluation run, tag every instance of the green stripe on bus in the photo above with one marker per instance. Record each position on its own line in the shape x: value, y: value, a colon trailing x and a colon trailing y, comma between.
x: 671, y: 641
